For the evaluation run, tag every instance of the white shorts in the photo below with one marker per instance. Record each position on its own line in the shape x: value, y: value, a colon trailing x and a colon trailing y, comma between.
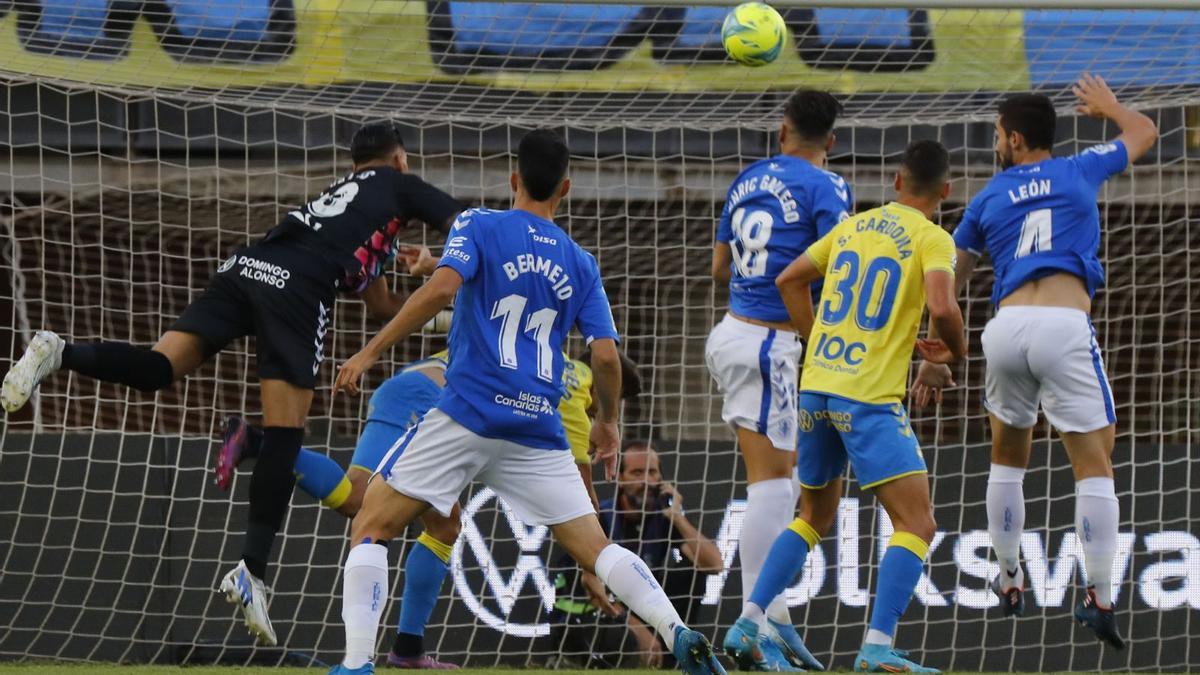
x: 1047, y: 355
x: 439, y: 457
x: 756, y: 369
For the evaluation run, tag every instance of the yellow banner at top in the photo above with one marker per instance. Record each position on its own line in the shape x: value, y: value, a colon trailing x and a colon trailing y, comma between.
x: 618, y: 48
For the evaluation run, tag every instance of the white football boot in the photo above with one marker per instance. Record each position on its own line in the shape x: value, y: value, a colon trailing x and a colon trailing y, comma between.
x: 249, y: 592
x: 42, y: 357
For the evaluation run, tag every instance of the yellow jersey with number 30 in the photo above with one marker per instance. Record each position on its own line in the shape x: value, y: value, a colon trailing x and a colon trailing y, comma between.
x: 870, y: 308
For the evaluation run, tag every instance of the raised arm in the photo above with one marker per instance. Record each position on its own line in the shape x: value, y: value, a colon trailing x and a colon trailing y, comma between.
x: 420, y: 307
x: 1096, y: 99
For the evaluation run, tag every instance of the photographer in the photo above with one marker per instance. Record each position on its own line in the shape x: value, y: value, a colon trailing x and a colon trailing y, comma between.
x: 646, y: 517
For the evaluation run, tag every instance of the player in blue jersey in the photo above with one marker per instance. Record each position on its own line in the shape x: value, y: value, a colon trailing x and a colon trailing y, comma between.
x: 521, y: 284
x: 776, y: 208
x: 1039, y: 221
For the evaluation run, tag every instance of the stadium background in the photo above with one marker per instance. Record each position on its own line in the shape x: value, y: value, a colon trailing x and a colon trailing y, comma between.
x: 121, y: 199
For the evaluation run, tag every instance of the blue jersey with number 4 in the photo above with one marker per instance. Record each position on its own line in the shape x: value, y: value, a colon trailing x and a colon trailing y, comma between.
x: 525, y: 285
x: 1041, y: 219
x: 775, y: 209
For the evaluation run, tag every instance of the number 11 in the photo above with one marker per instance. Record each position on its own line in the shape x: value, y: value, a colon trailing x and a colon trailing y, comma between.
x: 509, y: 310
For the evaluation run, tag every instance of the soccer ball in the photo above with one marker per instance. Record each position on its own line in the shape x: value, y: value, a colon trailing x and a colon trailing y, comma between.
x: 753, y: 34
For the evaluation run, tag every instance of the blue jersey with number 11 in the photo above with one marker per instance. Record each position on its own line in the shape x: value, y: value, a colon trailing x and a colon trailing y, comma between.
x: 525, y: 285
x: 1041, y: 219
x: 775, y: 209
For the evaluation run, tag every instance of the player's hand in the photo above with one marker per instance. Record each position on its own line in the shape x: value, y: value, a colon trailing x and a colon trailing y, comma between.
x: 604, y: 444
x: 935, y: 351
x: 675, y: 510
x: 350, y: 373
x: 417, y: 259
x: 1095, y: 97
x: 598, y: 594
x: 931, y: 379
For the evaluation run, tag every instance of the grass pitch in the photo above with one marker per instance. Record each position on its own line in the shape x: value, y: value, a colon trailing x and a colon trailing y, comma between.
x: 109, y: 669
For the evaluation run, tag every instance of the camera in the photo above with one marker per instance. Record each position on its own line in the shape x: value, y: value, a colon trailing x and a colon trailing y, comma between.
x: 657, y: 496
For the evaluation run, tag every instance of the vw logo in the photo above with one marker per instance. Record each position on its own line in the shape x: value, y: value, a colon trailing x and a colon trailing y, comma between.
x: 504, y: 592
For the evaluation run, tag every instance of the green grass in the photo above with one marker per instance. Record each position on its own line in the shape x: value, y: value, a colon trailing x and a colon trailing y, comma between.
x: 109, y: 669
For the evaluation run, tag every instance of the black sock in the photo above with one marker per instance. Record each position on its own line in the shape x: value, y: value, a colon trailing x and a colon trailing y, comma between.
x: 254, y: 439
x: 270, y: 494
x: 408, y: 645
x: 139, y: 367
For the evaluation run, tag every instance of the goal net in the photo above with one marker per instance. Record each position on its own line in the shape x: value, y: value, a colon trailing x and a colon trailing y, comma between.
x: 143, y: 141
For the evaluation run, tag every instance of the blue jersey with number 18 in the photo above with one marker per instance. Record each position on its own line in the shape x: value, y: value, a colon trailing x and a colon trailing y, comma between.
x: 525, y: 285
x: 1041, y: 219
x: 775, y: 209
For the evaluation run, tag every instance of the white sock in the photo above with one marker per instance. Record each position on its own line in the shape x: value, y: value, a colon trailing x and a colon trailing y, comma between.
x: 1006, y: 520
x: 1097, y: 516
x: 753, y: 612
x: 770, y: 506
x: 364, y: 593
x: 878, y: 637
x: 631, y: 581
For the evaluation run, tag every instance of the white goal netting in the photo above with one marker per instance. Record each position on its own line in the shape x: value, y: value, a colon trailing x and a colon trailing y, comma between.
x: 142, y: 141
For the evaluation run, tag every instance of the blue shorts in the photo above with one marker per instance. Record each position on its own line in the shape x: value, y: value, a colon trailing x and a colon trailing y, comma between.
x: 876, y: 438
x: 394, y: 407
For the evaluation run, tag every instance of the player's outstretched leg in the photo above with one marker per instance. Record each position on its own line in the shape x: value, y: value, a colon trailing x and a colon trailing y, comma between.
x: 316, y: 473
x: 634, y: 585
x: 42, y: 357
x: 175, y: 355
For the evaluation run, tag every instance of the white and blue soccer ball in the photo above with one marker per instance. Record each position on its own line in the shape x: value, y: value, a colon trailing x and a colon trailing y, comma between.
x: 753, y: 34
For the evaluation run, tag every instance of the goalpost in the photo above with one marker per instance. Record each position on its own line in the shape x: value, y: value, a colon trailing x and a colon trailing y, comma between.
x: 141, y: 142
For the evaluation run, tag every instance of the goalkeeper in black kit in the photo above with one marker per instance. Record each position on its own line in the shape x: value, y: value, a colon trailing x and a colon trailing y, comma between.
x: 280, y: 290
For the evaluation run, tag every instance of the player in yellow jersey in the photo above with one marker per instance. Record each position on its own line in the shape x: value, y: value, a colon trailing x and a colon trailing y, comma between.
x: 881, y: 268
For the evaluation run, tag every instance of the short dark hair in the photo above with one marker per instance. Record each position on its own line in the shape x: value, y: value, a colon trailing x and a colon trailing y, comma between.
x: 1032, y: 116
x: 542, y: 159
x: 926, y: 165
x: 812, y: 114
x: 375, y: 140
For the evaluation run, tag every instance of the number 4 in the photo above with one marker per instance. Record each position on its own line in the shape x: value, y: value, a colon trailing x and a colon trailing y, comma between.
x: 509, y: 310
x: 1036, y: 233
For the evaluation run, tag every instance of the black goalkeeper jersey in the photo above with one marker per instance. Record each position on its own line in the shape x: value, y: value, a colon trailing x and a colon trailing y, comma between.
x: 357, y: 219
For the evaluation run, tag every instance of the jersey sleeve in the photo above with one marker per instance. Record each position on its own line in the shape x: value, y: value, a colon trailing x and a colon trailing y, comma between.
x: 937, y: 252
x: 1101, y: 162
x: 967, y: 235
x: 819, y: 252
x: 830, y: 202
x: 462, y: 252
x: 595, y: 319
x: 426, y: 202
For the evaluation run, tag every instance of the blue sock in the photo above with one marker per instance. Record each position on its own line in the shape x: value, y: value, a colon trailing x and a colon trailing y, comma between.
x: 425, y: 569
x: 899, y: 572
x: 784, y: 562
x: 322, y: 478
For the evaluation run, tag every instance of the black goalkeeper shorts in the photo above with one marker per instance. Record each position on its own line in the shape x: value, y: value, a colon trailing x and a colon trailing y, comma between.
x: 282, y: 295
